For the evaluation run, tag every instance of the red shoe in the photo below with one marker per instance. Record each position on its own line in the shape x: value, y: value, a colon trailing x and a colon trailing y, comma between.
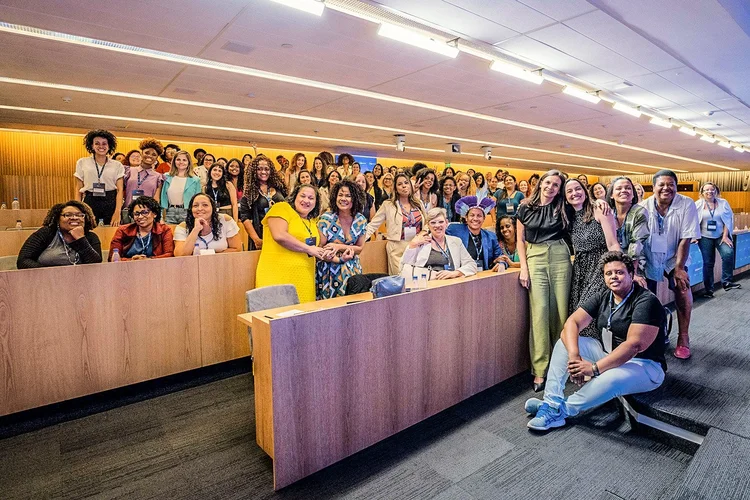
x: 682, y: 352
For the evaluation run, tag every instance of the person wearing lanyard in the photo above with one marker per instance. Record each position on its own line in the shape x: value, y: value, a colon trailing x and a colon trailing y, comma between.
x: 632, y: 224
x: 717, y: 225
x: 288, y: 255
x: 403, y: 215
x: 223, y: 192
x: 437, y: 254
x: 674, y: 223
x: 147, y: 237
x: 205, y: 229
x: 263, y: 188
x: 448, y: 198
x: 481, y: 244
x: 629, y: 358
x: 65, y: 238
x: 506, y: 227
x: 99, y: 181
x: 144, y: 180
x: 509, y: 198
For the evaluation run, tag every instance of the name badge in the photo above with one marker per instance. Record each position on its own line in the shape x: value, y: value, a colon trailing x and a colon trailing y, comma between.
x: 711, y: 225
x: 97, y: 189
x: 607, y: 339
x: 658, y: 243
x: 137, y: 193
x: 449, y: 266
x: 409, y: 233
x: 510, y: 208
x: 207, y: 251
x: 311, y: 241
x: 480, y: 265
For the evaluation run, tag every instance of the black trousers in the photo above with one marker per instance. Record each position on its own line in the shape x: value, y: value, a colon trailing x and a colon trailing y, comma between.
x: 102, y: 206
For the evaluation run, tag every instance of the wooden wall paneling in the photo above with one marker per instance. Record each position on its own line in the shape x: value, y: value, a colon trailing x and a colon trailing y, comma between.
x: 29, y: 218
x: 12, y: 240
x: 224, y: 279
x: 378, y: 368
x: 77, y: 330
x: 373, y: 257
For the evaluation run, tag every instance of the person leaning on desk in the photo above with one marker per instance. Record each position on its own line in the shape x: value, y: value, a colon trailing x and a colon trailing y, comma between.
x: 439, y: 255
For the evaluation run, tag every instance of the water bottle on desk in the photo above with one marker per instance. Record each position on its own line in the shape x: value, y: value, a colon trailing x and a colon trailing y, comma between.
x: 115, y: 255
x: 196, y: 248
x: 101, y: 222
x: 423, y: 282
x: 414, y: 283
x: 16, y: 205
x: 18, y: 224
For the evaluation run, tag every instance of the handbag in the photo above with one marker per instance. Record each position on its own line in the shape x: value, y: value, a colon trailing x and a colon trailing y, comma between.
x: 385, y: 287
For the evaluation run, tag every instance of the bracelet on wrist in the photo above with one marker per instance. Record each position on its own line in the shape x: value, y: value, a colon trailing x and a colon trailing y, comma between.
x: 595, y: 369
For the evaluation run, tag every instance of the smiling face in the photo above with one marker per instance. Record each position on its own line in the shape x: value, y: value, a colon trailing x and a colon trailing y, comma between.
x: 640, y: 191
x: 665, y: 189
x: 575, y: 194
x: 305, y: 177
x: 135, y: 159
x: 344, y: 199
x: 622, y: 192
x: 208, y: 160
x: 475, y: 219
x: 217, y: 172
x: 71, y: 217
x: 449, y: 187
x: 234, y: 168
x: 169, y: 153
x: 429, y: 181
x: 463, y: 183
x: 523, y: 186
x: 301, y: 162
x: 355, y: 168
x: 263, y: 171
x: 143, y: 217
x: 222, y: 162
x: 709, y: 192
x: 387, y: 180
x: 201, y: 207
x: 599, y: 192
x: 361, y: 181
x: 100, y: 146
x: 181, y: 162
x: 150, y: 156
x: 370, y: 177
x: 510, y: 183
x: 507, y: 229
x: 305, y: 201
x: 438, y: 225
x: 318, y: 165
x: 333, y: 178
x: 550, y: 187
x: 617, y: 278
x: 493, y: 183
x: 377, y: 170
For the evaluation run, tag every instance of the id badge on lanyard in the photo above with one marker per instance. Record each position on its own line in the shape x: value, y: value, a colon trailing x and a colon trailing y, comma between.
x: 658, y: 243
x: 409, y: 233
x: 98, y: 188
x: 607, y: 339
x: 137, y: 193
x: 711, y: 225
x: 510, y: 208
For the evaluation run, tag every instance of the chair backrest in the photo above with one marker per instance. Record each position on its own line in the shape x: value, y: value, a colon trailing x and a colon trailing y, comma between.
x: 269, y: 297
x: 8, y: 263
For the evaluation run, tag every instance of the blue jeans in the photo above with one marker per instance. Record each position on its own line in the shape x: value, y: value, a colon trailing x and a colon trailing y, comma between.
x: 634, y: 376
x: 708, y: 248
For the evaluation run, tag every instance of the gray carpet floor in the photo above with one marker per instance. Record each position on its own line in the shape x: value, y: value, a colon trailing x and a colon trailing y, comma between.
x: 200, y: 443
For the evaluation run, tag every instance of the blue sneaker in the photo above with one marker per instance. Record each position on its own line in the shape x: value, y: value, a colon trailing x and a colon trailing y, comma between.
x: 532, y: 405
x: 546, y: 418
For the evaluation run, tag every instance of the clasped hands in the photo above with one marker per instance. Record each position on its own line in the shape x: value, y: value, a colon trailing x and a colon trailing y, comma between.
x: 330, y: 251
x: 578, y: 369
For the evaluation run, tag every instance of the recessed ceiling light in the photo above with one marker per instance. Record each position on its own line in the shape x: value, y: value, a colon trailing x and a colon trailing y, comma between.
x: 513, y: 70
x: 312, y: 6
x: 688, y: 130
x: 661, y: 122
x: 582, y: 94
x: 417, y: 39
x: 628, y: 110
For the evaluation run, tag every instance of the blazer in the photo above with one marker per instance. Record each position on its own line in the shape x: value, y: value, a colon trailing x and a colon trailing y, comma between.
x: 192, y: 187
x: 89, y: 248
x: 462, y: 261
x: 490, y: 246
x: 390, y: 213
x: 162, y: 241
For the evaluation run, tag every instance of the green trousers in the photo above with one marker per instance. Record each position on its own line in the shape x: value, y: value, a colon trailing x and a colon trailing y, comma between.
x: 550, y: 272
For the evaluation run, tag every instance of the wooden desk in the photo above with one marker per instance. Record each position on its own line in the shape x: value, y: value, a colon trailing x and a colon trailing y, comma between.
x: 343, y: 376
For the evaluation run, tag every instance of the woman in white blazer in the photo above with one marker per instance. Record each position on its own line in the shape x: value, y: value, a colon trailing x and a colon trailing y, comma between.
x: 445, y: 256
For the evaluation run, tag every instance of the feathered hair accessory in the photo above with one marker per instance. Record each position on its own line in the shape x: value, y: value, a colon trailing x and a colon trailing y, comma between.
x: 468, y: 202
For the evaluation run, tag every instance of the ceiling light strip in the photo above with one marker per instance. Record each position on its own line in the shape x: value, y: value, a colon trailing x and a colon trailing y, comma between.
x: 554, y: 163
x: 264, y: 132
x: 194, y: 61
x: 277, y: 114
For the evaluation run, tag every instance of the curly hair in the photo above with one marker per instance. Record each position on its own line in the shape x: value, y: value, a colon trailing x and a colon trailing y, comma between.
x: 215, y: 220
x: 617, y: 256
x: 294, y: 161
x: 341, y: 159
x: 53, y: 216
x: 422, y: 175
x: 252, y: 183
x: 293, y: 197
x: 148, y: 202
x: 358, y: 197
x: 88, y: 140
x: 126, y: 161
x: 151, y: 143
x: 173, y: 146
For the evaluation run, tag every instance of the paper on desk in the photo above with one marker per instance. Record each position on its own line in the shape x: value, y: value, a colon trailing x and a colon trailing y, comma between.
x: 290, y: 312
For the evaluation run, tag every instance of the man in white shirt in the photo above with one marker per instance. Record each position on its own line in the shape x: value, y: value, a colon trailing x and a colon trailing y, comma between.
x: 673, y: 220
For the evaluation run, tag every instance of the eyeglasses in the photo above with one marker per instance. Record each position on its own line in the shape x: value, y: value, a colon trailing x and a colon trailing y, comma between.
x: 142, y: 213
x: 73, y: 215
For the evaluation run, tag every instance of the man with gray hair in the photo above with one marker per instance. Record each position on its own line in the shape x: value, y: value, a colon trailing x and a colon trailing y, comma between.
x: 673, y: 222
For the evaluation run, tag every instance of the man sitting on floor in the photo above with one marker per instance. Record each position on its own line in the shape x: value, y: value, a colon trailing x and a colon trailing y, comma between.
x: 628, y: 359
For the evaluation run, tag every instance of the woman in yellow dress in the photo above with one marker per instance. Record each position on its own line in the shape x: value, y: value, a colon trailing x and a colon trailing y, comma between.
x: 288, y: 256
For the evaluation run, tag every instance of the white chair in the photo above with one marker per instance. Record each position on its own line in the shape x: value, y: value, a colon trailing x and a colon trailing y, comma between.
x: 269, y: 297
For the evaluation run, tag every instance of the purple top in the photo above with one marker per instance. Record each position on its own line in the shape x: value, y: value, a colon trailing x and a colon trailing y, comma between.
x: 150, y: 181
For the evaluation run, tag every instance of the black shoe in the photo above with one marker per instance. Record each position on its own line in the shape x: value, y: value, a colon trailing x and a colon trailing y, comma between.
x: 708, y: 294
x: 731, y: 286
x: 539, y: 387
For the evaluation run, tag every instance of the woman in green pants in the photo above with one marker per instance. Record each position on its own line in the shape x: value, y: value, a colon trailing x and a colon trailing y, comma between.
x: 545, y: 268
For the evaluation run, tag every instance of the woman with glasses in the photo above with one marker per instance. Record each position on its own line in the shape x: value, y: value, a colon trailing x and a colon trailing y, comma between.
x: 147, y: 237
x: 717, y: 225
x: 65, y: 239
x: 264, y: 188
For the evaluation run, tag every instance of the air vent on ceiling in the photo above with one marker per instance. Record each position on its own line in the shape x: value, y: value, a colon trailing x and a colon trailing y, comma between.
x: 239, y: 48
x: 622, y: 86
x: 180, y: 90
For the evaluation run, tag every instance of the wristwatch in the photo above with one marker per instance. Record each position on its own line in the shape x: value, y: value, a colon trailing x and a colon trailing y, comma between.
x: 595, y: 369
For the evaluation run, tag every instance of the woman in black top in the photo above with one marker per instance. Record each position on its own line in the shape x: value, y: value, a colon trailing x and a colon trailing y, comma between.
x: 223, y: 193
x: 263, y: 187
x: 65, y: 238
x: 447, y: 198
x: 545, y: 268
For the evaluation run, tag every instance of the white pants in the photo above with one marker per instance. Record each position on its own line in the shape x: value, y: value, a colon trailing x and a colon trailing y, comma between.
x: 634, y: 376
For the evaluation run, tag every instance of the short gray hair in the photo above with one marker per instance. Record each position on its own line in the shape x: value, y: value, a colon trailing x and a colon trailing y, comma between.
x: 436, y: 212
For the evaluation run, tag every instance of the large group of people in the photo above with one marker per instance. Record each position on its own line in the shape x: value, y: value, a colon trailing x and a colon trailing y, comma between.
x: 310, y: 220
